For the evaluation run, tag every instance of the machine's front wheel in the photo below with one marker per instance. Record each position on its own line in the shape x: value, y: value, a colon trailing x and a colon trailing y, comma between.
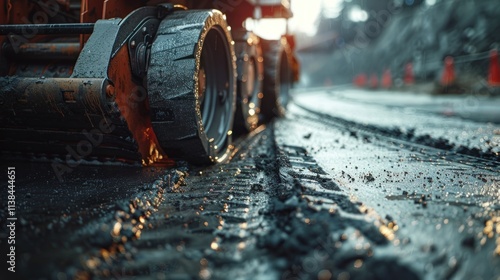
x: 192, y: 86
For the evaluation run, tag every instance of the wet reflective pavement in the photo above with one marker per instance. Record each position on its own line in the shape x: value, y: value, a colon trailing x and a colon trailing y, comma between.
x: 347, y: 186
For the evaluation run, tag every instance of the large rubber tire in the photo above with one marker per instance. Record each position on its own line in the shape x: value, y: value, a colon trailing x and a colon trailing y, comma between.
x: 277, y: 77
x: 191, y: 82
x: 249, y: 83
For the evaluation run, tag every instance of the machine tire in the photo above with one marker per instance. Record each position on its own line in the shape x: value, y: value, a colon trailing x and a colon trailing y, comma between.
x: 191, y: 82
x: 277, y: 77
x: 250, y: 68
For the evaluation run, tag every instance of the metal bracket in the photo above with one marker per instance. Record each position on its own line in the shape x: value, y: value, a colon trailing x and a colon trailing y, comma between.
x: 139, y: 46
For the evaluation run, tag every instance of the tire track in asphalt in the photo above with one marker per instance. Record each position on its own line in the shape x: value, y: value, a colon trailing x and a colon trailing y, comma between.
x: 205, y: 228
x: 318, y: 232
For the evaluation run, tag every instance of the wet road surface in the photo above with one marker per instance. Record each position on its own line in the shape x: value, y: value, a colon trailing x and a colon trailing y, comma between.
x: 350, y: 184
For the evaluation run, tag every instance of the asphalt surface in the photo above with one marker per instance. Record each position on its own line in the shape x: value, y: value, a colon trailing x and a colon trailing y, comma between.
x: 351, y: 184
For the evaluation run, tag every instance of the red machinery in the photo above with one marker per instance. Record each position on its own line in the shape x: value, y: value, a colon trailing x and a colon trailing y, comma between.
x: 129, y: 80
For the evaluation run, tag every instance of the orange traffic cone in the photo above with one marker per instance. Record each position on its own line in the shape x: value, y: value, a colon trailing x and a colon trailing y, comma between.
x: 373, y: 81
x: 360, y: 80
x: 494, y: 73
x: 409, y: 79
x: 448, y: 76
x: 387, y: 79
